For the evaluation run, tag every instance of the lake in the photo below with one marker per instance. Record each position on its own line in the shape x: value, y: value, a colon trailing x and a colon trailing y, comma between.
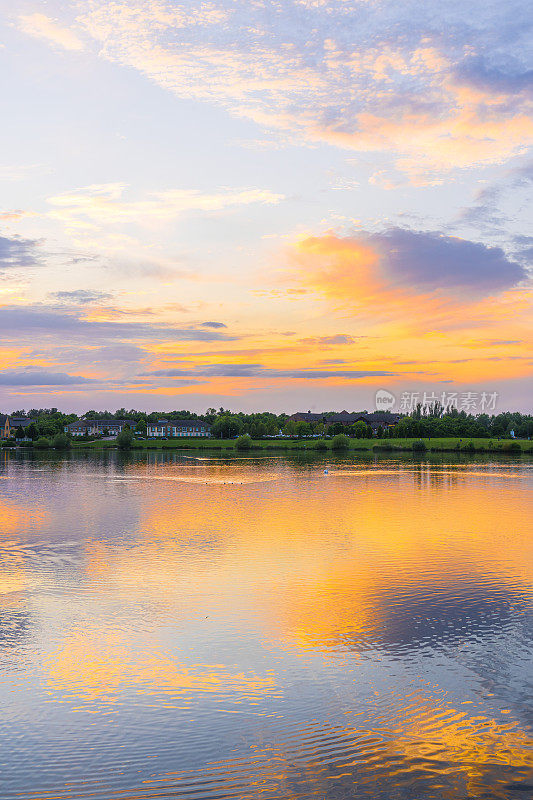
x: 202, y: 627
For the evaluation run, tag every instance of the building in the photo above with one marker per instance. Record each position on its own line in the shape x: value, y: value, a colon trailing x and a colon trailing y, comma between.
x: 9, y: 425
x: 98, y: 427
x: 385, y: 419
x: 177, y: 427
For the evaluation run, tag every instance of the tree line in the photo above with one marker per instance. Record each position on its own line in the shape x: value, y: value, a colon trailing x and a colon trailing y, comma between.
x: 421, y: 423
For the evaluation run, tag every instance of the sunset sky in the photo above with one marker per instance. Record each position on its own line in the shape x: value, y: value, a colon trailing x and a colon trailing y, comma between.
x: 264, y: 204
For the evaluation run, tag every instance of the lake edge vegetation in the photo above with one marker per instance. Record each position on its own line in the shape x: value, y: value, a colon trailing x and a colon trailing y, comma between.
x: 424, y: 429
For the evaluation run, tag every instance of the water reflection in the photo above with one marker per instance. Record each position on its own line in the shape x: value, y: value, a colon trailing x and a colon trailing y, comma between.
x: 175, y: 627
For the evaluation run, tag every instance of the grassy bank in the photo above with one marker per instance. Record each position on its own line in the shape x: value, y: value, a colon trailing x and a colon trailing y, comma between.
x: 438, y: 445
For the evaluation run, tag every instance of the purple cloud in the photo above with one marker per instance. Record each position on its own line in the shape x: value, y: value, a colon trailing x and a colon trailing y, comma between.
x: 21, y: 322
x: 11, y: 377
x: 430, y: 260
x: 17, y: 252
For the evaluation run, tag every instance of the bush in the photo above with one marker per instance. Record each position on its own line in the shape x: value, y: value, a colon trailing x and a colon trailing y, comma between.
x: 243, y: 442
x: 42, y: 443
x: 61, y: 441
x: 470, y: 447
x: 125, y: 439
x: 419, y: 447
x: 511, y: 447
x: 340, y: 442
x: 321, y: 445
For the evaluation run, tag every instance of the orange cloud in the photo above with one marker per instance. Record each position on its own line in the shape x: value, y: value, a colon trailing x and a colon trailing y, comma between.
x: 409, y: 100
x: 42, y: 27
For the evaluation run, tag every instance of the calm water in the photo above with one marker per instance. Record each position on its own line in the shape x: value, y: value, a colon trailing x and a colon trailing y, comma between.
x: 173, y: 627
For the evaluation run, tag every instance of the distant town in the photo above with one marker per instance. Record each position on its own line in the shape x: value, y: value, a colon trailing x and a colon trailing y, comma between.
x: 47, y: 423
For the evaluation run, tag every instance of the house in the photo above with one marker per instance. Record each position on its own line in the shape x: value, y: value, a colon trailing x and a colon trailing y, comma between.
x: 385, y: 419
x: 327, y: 418
x: 9, y: 425
x: 98, y: 427
x: 380, y: 419
x: 4, y: 426
x: 308, y: 416
x: 177, y: 427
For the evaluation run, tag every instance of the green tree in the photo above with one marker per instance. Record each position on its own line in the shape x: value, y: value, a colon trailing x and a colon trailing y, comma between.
x: 340, y: 442
x: 227, y: 426
x: 42, y: 443
x: 359, y: 429
x: 243, y: 442
x: 19, y: 433
x: 321, y: 445
x: 125, y: 438
x: 32, y: 431
x: 140, y: 428
x: 289, y: 429
x: 61, y: 441
x: 303, y: 429
x: 258, y: 429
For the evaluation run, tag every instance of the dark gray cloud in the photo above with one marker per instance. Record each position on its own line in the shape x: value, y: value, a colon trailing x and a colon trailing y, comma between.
x: 260, y: 371
x: 30, y: 377
x: 81, y: 296
x: 430, y: 261
x: 213, y: 325
x: 18, y: 252
x: 27, y: 322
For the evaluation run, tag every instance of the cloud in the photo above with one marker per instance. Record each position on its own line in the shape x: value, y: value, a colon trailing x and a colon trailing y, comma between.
x: 42, y: 27
x: 392, y: 269
x: 486, y: 212
x: 104, y: 204
x: 213, y: 325
x: 18, y: 323
x: 13, y: 216
x: 260, y: 371
x: 81, y: 296
x: 120, y: 352
x: 31, y: 377
x: 432, y: 260
x: 18, y: 252
x: 478, y: 72
x: 439, y: 89
x: 338, y: 338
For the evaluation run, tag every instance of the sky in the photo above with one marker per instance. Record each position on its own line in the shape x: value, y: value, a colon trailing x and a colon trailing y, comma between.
x: 284, y: 205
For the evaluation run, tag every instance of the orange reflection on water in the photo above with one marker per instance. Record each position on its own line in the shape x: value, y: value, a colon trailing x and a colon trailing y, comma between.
x: 316, y: 580
x: 414, y: 738
x: 15, y: 576
x: 317, y: 557
x: 98, y: 668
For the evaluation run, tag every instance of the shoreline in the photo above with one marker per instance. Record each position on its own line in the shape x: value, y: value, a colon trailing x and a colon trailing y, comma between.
x: 435, y: 445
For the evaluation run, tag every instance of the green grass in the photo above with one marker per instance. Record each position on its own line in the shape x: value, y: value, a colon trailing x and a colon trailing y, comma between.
x: 451, y: 444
